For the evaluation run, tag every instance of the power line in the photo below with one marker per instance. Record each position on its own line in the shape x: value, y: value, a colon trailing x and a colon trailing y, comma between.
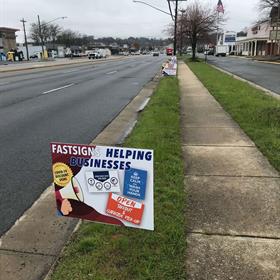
x: 142, y: 2
x: 170, y: 9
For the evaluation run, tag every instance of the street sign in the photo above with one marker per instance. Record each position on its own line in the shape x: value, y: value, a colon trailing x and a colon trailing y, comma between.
x: 112, y: 185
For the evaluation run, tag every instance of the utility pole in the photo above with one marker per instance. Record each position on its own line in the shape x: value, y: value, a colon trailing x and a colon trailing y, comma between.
x: 181, y: 31
x: 277, y: 27
x: 175, y: 22
x: 175, y: 27
x: 25, y: 39
x: 41, y: 36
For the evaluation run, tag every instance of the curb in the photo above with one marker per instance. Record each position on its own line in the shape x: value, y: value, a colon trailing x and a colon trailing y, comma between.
x: 60, y: 65
x: 30, y: 249
x: 267, y: 62
x: 266, y: 91
x: 254, y: 59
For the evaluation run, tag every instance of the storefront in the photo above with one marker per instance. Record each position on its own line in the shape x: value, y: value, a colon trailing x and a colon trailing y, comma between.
x: 257, y: 42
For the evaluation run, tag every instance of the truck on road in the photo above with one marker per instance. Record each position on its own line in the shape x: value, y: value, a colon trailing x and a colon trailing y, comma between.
x: 221, y: 50
x: 169, y: 51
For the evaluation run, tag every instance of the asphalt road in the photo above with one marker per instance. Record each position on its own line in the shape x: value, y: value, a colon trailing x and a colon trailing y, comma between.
x: 264, y: 74
x: 65, y: 104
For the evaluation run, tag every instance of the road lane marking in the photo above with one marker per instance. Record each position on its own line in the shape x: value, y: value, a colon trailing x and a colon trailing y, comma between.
x: 112, y: 72
x: 71, y: 71
x: 56, y: 89
x: 5, y: 83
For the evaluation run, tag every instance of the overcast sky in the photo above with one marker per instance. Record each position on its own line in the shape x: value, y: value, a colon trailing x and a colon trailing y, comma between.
x: 116, y: 18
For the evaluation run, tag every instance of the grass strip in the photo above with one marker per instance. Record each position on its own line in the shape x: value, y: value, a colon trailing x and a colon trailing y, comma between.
x: 108, y: 252
x: 257, y: 113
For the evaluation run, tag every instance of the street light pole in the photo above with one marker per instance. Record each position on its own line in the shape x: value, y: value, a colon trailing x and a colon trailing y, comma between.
x: 41, y: 36
x: 25, y: 39
x: 147, y: 4
x: 176, y: 14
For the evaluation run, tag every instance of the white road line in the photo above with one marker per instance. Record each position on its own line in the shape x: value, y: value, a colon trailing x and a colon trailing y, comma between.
x: 5, y: 83
x: 71, y: 71
x: 56, y: 89
x: 112, y: 72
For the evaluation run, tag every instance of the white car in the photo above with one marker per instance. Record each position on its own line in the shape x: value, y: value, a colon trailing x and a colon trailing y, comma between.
x: 94, y: 55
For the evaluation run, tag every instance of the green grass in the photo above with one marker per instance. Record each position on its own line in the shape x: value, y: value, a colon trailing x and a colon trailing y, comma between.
x: 108, y: 252
x: 256, y: 113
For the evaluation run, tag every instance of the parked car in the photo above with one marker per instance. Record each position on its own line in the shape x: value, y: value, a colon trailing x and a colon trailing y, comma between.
x: 94, y: 55
x: 155, y: 53
x: 91, y: 55
x: 34, y: 56
x: 209, y: 51
x: 189, y: 50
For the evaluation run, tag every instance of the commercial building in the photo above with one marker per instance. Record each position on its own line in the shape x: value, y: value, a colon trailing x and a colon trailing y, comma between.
x: 7, y: 39
x: 256, y: 42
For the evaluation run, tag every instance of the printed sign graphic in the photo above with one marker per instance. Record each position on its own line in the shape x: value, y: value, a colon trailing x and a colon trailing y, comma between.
x: 112, y: 185
x: 125, y: 209
x: 135, y: 183
x: 103, y: 181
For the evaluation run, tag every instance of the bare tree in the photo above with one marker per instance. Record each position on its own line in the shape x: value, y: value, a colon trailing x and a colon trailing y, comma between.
x: 35, y: 34
x: 69, y: 38
x: 265, y: 7
x: 54, y: 31
x: 197, y: 22
x: 268, y: 4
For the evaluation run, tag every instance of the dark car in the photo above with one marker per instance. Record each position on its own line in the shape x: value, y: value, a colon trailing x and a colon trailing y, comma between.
x: 210, y: 52
x: 34, y: 56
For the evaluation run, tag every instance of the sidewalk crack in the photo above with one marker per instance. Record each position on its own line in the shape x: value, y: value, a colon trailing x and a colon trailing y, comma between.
x: 233, y: 235
x: 26, y: 253
x: 217, y: 145
x: 231, y: 176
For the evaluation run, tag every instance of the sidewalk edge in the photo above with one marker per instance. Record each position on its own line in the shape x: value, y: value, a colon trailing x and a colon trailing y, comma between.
x: 60, y: 65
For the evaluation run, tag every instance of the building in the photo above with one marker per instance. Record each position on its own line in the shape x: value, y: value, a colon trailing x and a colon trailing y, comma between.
x: 7, y: 39
x: 275, y: 32
x: 256, y: 42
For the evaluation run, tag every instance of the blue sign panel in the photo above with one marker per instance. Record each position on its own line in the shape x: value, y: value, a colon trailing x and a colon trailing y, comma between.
x: 230, y: 39
x: 135, y: 183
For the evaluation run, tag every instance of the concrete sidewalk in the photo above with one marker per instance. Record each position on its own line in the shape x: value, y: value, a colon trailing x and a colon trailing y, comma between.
x: 233, y: 210
x: 18, y: 66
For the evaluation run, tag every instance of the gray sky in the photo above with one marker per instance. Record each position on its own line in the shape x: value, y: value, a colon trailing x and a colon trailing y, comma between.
x: 116, y: 18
